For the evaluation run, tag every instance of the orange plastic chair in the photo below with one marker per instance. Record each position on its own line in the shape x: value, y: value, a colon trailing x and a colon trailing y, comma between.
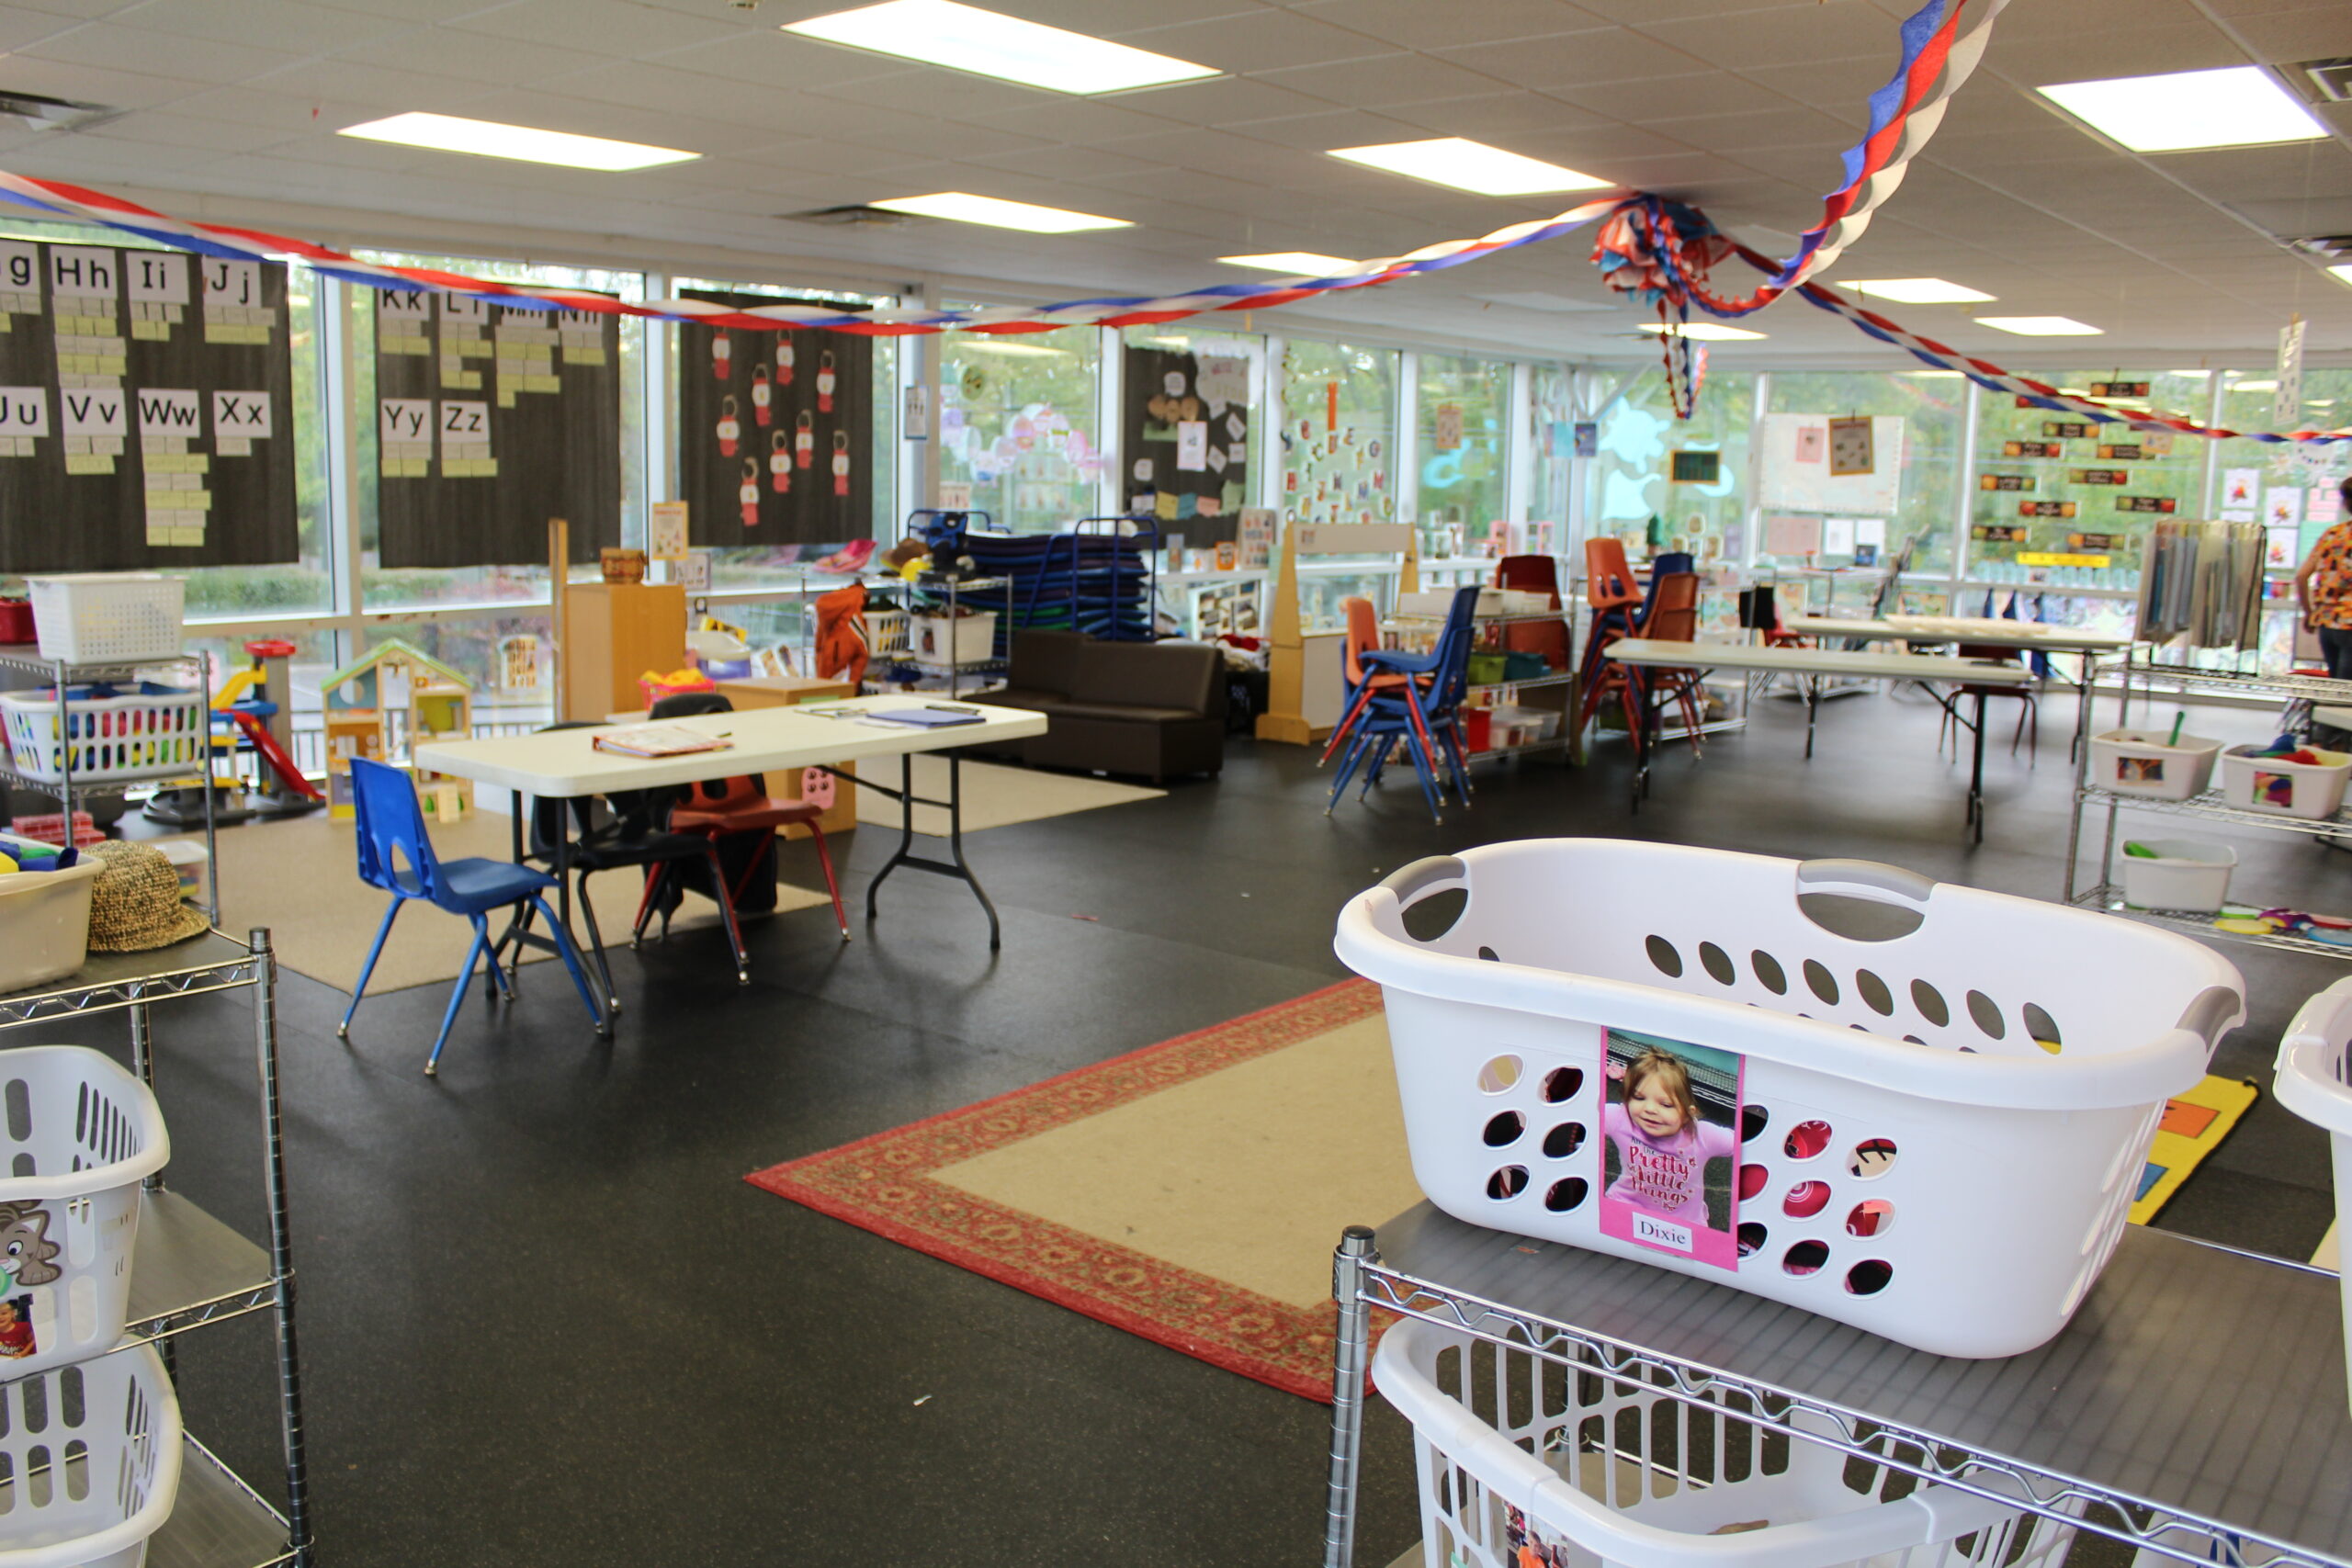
x: 1673, y: 618
x: 1363, y: 635
x: 1534, y: 574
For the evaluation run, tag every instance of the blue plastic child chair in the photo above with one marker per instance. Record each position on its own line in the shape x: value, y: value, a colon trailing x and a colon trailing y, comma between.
x: 396, y: 855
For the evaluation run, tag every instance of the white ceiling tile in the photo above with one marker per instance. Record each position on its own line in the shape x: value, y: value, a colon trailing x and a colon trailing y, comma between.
x: 1320, y: 132
x: 190, y: 130
x: 1224, y: 101
x: 2094, y: 56
x: 293, y: 26
x: 1416, y: 23
x: 335, y: 87
x: 445, y: 51
x: 1385, y: 80
x: 769, y: 58
x: 1800, y: 36
x: 95, y: 85
x: 617, y: 27
x: 1069, y: 163
x: 1491, y: 117
x: 1260, y: 41
x: 1577, y: 58
x: 2298, y: 36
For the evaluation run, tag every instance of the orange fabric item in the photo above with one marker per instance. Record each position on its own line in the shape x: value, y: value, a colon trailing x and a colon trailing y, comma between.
x: 841, y: 633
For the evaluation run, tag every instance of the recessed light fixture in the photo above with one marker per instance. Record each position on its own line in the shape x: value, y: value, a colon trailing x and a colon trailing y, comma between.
x: 1469, y: 165
x: 2342, y: 273
x: 962, y: 207
x: 2041, y: 326
x: 965, y: 38
x: 1932, y: 375
x: 1707, y: 332
x: 2238, y: 105
x: 979, y: 342
x: 1918, y: 290
x: 1298, y: 264
x: 488, y: 138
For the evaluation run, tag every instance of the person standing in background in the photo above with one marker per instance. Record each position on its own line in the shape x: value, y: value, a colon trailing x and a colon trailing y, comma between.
x: 2324, y: 589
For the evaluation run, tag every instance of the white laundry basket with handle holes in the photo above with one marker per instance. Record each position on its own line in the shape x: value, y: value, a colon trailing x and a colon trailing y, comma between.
x: 1514, y: 1452
x: 89, y: 1462
x: 1939, y: 1132
x: 77, y: 1137
x: 2314, y: 1081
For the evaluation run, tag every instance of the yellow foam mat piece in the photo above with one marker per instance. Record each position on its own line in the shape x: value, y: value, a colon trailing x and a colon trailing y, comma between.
x: 2193, y: 1126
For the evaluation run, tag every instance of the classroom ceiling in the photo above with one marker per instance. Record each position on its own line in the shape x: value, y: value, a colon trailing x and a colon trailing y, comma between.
x: 1739, y: 106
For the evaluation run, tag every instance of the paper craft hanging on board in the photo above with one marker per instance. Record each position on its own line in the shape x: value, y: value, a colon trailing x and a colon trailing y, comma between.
x: 2326, y: 504
x: 1811, y: 443
x: 1192, y: 446
x: 1837, y: 536
x: 1786, y: 536
x: 665, y: 535
x: 1870, y: 531
x: 1851, y: 450
x: 2283, y: 508
x: 2240, y: 487
x: 1446, y: 436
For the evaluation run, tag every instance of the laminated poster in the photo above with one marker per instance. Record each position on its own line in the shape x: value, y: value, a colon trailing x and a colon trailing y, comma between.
x: 2283, y: 508
x: 1838, y: 537
x: 1669, y: 1146
x: 2241, y: 487
x: 1787, y: 536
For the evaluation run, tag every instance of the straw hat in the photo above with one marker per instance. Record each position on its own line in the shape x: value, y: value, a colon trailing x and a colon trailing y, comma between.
x: 135, y: 902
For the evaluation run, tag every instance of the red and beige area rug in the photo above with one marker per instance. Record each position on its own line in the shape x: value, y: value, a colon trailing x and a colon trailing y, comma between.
x: 1190, y: 1192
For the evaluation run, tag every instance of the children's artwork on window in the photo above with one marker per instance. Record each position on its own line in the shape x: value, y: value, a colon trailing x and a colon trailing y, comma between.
x: 1669, y: 1146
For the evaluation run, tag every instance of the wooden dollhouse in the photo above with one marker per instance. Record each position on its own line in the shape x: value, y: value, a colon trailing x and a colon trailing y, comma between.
x: 391, y: 700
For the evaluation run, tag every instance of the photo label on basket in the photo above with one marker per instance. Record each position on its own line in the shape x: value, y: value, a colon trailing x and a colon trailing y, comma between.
x: 1669, y: 1145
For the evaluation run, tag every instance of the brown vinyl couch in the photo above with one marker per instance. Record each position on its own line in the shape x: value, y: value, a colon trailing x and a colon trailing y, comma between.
x: 1145, y: 709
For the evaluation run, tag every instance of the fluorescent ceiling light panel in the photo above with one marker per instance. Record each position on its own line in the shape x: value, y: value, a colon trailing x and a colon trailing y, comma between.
x: 965, y: 38
x: 2342, y: 273
x: 2236, y: 106
x: 1298, y: 264
x: 959, y: 206
x: 2254, y: 386
x: 2041, y: 326
x: 1469, y: 165
x: 967, y: 343
x: 1932, y: 375
x: 488, y: 138
x: 1920, y: 291
x: 1707, y: 332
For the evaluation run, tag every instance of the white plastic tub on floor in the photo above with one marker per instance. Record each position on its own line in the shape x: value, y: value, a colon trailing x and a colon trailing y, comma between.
x: 1941, y: 1129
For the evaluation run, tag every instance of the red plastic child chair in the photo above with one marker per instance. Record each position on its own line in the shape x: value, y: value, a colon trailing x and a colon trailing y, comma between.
x: 739, y: 805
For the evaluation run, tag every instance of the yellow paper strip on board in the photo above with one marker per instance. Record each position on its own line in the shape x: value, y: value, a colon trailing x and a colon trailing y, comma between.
x: 88, y: 463
x: 2039, y: 559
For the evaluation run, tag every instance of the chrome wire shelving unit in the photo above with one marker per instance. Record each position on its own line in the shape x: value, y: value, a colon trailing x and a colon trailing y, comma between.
x: 190, y: 1270
x: 2147, y: 1419
x: 2292, y: 691
x: 1413, y: 624
x: 65, y: 789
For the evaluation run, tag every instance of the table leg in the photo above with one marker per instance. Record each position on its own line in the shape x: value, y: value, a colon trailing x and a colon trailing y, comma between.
x: 1351, y: 1355
x: 955, y: 865
x: 1812, y: 710
x: 904, y: 854
x: 1976, y: 776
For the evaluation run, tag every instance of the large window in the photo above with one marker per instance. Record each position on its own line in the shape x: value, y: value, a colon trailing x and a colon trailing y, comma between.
x: 411, y: 587
x: 1634, y: 495
x: 1551, y: 408
x: 2290, y: 485
x: 1933, y: 407
x: 1017, y: 431
x: 1339, y: 445
x: 1462, y: 409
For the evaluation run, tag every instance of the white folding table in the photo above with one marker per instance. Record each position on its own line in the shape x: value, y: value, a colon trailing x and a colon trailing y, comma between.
x: 565, y: 764
x: 1810, y: 665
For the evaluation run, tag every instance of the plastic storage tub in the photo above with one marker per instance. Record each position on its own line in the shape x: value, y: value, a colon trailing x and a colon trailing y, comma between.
x: 966, y: 639
x: 2312, y: 1083
x: 97, y: 1450
x: 1900, y: 1151
x: 116, y: 617
x: 2146, y: 762
x: 44, y: 923
x: 82, y: 1134
x: 2191, y: 875
x: 147, y: 731
x: 2289, y: 789
x: 1514, y: 1452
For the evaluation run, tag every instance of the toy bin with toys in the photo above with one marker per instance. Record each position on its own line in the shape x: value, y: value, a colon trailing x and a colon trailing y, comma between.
x: 1917, y: 1108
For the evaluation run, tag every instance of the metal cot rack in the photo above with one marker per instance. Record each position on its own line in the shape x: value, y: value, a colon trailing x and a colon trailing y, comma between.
x: 65, y: 789
x: 2290, y: 692
x: 191, y: 1269
x: 2194, y: 1407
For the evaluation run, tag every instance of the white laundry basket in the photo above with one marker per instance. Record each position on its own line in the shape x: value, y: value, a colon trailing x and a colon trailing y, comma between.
x: 81, y: 1135
x: 134, y: 730
x: 93, y: 1453
x: 108, y: 618
x: 2313, y: 1082
x: 1909, y: 1157
x: 1514, y: 1452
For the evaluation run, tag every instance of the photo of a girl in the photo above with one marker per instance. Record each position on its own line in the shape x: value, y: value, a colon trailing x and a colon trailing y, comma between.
x: 1670, y: 1147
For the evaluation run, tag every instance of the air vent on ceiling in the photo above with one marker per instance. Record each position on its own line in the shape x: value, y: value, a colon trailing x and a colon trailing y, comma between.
x: 847, y: 217
x: 2332, y: 77
x: 43, y: 113
x: 2328, y: 247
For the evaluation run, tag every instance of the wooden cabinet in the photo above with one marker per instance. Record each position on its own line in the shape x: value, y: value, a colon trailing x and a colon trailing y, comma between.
x: 786, y: 690
x: 615, y: 633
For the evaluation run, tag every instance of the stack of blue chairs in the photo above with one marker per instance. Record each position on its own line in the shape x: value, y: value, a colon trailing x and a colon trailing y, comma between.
x: 1424, y: 715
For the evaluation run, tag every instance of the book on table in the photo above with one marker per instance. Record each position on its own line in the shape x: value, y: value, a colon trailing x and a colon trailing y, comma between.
x: 927, y: 718
x: 659, y: 741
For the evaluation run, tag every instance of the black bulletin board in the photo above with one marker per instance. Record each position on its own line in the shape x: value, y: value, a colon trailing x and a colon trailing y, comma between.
x: 1166, y: 390
x: 490, y: 420
x: 146, y: 410
x: 805, y: 460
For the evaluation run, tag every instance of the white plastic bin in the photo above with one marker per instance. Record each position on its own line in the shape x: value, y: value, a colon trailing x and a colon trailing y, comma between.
x: 2312, y: 1082
x: 82, y: 1133
x: 96, y: 1448
x: 44, y: 923
x: 1513, y: 1452
x: 2189, y: 874
x: 2148, y: 762
x: 2289, y: 789
x: 143, y: 731
x: 114, y: 617
x: 967, y: 639
x: 1910, y: 1157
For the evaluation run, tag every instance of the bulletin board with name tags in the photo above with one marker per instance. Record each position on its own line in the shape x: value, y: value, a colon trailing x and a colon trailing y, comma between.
x: 146, y: 410
x: 490, y: 420
x: 1186, y: 423
x: 776, y: 431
